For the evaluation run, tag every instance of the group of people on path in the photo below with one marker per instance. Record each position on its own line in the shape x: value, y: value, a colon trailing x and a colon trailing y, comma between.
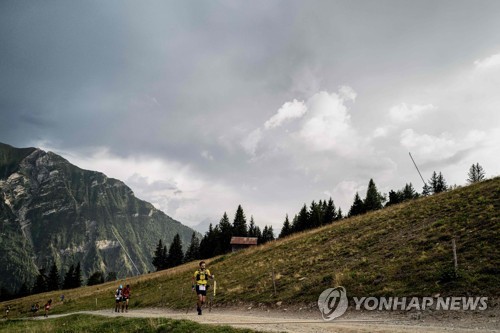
x: 35, y: 307
x: 199, y: 284
x: 122, y: 296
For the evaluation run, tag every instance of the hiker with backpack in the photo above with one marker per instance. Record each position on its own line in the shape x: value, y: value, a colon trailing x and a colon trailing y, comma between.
x: 118, y: 298
x: 200, y: 284
x: 125, y: 297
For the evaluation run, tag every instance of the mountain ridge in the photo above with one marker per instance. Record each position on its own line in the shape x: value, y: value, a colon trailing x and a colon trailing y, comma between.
x: 53, y: 211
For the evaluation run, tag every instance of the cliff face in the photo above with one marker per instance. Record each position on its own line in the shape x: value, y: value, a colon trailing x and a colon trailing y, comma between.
x: 51, y: 210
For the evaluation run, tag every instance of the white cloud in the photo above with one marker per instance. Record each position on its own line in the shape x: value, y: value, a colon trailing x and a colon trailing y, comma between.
x: 251, y: 142
x: 347, y: 93
x: 405, y: 113
x: 492, y: 61
x: 328, y: 124
x: 289, y: 110
x: 431, y: 147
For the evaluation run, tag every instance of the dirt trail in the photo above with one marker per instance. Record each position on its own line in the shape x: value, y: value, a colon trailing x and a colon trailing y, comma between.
x: 310, y: 322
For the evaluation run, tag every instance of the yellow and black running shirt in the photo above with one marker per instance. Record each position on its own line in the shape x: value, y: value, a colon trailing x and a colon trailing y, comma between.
x: 201, y: 276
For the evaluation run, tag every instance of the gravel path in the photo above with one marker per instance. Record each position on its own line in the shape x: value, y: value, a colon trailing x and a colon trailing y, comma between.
x: 311, y: 322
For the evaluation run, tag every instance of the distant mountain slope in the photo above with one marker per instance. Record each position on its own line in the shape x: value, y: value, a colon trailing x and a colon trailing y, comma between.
x: 52, y: 210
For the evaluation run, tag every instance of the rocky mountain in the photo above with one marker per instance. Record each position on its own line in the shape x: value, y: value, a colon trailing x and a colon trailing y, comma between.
x: 52, y: 211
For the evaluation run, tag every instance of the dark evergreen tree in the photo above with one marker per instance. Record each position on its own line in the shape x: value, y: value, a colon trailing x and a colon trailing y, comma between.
x: 240, y: 223
x: 286, y: 229
x: 357, y: 207
x: 340, y: 215
x: 302, y: 221
x: 315, y: 215
x: 226, y: 232
x: 53, y: 280
x: 426, y: 190
x: 68, y: 278
x: 409, y: 192
x: 206, y: 243
x: 193, y: 251
x: 252, y: 228
x: 374, y: 200
x: 77, y: 276
x: 267, y: 235
x: 40, y: 282
x: 23, y: 290
x: 95, y: 278
x: 438, y: 183
x: 159, y: 257
x: 330, y: 213
x: 175, y: 254
x: 395, y: 197
x: 476, y: 174
x: 111, y: 277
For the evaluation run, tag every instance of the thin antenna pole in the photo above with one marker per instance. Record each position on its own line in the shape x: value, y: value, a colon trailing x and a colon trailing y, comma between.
x: 417, y: 168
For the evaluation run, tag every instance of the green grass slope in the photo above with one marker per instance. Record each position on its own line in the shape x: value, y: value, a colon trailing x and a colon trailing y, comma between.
x: 403, y: 250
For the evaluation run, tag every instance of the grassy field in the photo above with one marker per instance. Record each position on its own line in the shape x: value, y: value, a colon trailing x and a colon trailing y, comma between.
x: 402, y: 250
x: 99, y: 324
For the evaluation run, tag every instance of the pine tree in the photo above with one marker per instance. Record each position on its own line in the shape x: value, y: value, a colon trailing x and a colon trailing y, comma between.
x: 267, y: 235
x: 357, y: 207
x: 286, y: 229
x: 226, y: 232
x: 158, y: 259
x: 68, y: 278
x: 111, y: 277
x: 426, y: 190
x: 175, y: 254
x: 53, y: 281
x: 206, y: 244
x: 95, y: 278
x: 193, y: 251
x: 302, y: 221
x: 315, y: 215
x: 164, y: 258
x: 437, y: 183
x: 77, y: 277
x: 252, y: 228
x: 476, y: 174
x: 395, y: 197
x: 409, y: 192
x: 329, y: 214
x: 40, y: 282
x: 240, y: 223
x: 374, y: 199
x: 340, y: 215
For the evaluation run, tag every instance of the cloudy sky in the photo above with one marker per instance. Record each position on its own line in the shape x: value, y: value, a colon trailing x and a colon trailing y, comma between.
x: 200, y: 106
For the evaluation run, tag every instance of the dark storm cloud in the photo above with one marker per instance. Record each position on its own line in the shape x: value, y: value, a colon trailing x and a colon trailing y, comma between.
x: 190, y: 82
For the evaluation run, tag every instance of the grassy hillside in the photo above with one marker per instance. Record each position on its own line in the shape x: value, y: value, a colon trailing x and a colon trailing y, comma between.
x: 403, y: 250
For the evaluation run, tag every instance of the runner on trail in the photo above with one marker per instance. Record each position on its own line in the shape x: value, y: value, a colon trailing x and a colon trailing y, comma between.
x: 200, y: 284
x: 118, y: 298
x: 47, y: 307
x: 125, y: 298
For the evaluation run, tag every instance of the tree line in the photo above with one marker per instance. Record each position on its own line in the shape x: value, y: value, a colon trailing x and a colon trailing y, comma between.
x: 52, y: 280
x: 323, y: 213
x: 216, y: 241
